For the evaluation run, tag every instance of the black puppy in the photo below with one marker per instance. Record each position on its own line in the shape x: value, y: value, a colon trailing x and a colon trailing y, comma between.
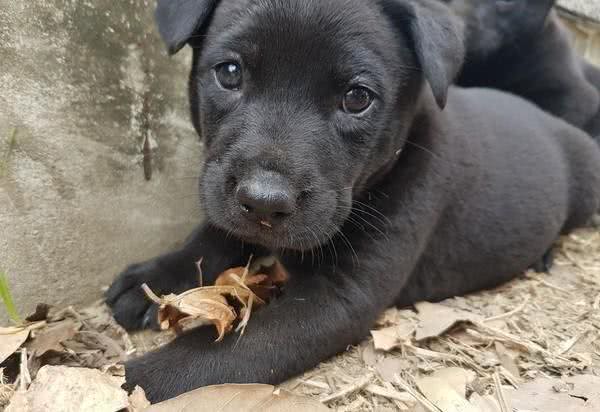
x: 521, y: 47
x: 326, y: 145
x: 592, y: 74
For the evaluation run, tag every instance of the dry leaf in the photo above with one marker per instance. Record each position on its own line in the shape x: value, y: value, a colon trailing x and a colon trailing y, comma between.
x: 50, y: 338
x: 208, y: 305
x: 138, y: 401
x: 11, y: 342
x: 194, y: 308
x: 64, y: 389
x: 444, y: 395
x: 369, y: 355
x: 507, y: 359
x: 388, y: 367
x: 391, y: 337
x: 457, y: 378
x: 41, y: 313
x: 484, y: 403
x: 436, y: 319
x: 234, y: 398
x: 12, y: 338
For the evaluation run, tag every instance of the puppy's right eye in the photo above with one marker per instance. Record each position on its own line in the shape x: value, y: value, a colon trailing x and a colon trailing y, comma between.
x: 229, y: 75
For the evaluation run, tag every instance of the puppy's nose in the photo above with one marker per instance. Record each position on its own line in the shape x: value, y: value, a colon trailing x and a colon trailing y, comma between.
x: 266, y: 197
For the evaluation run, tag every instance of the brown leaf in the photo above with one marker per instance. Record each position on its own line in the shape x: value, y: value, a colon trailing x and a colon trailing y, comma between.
x: 436, y: 319
x: 12, y: 338
x: 41, y: 313
x: 138, y: 401
x: 208, y: 305
x: 444, y: 395
x: 507, y: 359
x: 11, y: 342
x: 234, y: 398
x: 458, y: 378
x: 194, y: 308
x: 64, y: 389
x: 389, y: 367
x: 51, y: 337
x: 484, y: 403
x: 393, y: 336
x: 369, y: 355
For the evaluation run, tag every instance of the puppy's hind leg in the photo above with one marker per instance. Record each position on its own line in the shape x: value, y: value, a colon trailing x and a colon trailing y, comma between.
x: 545, y: 263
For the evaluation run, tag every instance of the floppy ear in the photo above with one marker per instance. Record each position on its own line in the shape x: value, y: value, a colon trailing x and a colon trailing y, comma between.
x: 436, y: 37
x: 179, y: 20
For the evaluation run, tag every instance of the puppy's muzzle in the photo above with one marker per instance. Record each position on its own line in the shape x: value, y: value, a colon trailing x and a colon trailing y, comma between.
x: 266, y: 198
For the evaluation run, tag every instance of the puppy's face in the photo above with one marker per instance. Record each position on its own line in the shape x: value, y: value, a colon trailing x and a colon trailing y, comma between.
x: 294, y: 98
x: 300, y: 104
x: 494, y: 25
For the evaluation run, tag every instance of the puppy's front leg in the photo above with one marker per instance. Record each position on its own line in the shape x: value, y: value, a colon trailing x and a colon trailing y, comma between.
x: 173, y: 272
x: 318, y: 316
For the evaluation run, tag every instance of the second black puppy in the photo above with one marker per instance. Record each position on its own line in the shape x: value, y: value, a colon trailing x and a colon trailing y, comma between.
x: 592, y: 74
x: 326, y: 145
x: 521, y: 47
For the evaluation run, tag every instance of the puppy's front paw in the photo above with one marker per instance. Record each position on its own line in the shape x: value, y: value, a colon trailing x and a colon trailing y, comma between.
x: 129, y: 304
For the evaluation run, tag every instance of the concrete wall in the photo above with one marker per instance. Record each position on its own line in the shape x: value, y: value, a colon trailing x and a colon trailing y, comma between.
x: 82, y: 84
x: 586, y: 36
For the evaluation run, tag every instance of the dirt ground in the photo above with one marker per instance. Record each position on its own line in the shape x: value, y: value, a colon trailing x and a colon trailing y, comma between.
x: 504, y: 347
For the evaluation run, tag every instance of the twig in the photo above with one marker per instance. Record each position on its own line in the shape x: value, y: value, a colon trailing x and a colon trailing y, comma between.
x: 347, y: 390
x: 247, y: 269
x: 500, y: 393
x: 530, y: 346
x: 420, y: 398
x: 511, y: 313
x: 24, y: 376
x: 389, y: 393
x: 241, y: 328
x: 151, y: 295
x: 551, y: 286
x: 315, y: 384
x: 568, y: 345
x: 200, y: 274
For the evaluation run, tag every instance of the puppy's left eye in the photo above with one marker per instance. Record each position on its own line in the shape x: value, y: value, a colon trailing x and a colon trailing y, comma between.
x: 357, y: 100
x: 229, y: 75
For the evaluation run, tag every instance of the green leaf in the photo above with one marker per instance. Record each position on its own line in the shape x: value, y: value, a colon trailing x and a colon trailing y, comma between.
x: 9, y: 304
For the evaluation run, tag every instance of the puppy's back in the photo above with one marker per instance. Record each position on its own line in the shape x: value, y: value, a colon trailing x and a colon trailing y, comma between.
x: 557, y: 156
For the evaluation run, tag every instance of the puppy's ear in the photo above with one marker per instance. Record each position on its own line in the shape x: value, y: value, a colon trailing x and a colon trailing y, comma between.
x: 436, y: 36
x: 179, y: 20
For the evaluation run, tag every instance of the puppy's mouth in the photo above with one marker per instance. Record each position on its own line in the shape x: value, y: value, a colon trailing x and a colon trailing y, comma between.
x: 276, y: 235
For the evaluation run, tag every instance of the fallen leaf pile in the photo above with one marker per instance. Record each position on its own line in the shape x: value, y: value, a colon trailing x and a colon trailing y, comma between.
x: 249, y: 287
x: 77, y: 338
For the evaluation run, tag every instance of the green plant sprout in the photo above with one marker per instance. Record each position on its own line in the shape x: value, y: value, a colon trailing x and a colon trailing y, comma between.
x: 6, y: 296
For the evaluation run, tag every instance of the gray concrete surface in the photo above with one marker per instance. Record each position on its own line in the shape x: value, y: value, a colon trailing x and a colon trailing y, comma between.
x: 82, y: 83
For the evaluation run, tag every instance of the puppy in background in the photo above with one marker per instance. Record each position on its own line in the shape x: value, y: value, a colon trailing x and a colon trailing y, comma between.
x: 325, y: 120
x: 521, y: 47
x: 592, y: 73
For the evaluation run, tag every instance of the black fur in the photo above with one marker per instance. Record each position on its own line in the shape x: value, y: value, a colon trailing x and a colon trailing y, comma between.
x: 521, y: 47
x: 402, y: 203
x: 592, y: 74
